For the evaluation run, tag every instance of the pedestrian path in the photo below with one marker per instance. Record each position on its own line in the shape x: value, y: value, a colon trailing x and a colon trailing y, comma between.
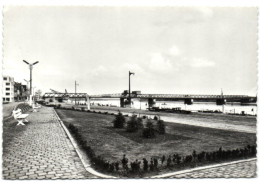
x: 237, y: 169
x: 43, y: 151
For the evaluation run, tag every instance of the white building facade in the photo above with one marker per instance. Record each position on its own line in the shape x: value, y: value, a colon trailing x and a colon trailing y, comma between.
x: 8, y: 89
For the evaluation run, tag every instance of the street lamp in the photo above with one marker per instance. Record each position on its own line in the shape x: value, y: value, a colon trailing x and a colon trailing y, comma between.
x: 31, y: 67
x: 130, y: 73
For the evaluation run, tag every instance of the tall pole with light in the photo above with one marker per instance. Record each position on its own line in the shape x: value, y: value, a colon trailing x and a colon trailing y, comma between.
x: 31, y: 67
x: 129, y: 94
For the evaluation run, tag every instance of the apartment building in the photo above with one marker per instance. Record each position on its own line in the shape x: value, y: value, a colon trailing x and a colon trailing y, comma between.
x: 8, y: 89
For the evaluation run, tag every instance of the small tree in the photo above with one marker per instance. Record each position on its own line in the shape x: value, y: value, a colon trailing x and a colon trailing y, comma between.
x: 140, y: 123
x: 155, y: 118
x: 119, y: 121
x: 149, y: 131
x: 132, y: 124
x: 160, y: 127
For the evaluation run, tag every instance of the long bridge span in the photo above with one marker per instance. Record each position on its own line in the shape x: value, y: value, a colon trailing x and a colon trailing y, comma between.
x: 152, y: 98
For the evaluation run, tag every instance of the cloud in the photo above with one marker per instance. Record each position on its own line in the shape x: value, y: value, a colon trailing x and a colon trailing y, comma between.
x: 100, y: 70
x: 174, y: 51
x: 201, y: 62
x: 159, y: 62
x: 133, y: 67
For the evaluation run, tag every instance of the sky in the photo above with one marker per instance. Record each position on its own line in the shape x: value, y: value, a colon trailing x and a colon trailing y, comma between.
x: 171, y: 50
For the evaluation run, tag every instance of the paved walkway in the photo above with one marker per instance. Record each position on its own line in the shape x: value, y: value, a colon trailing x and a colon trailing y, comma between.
x: 237, y: 169
x: 43, y: 151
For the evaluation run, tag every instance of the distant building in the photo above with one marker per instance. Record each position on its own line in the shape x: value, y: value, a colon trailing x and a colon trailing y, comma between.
x: 8, y: 89
x: 21, y: 92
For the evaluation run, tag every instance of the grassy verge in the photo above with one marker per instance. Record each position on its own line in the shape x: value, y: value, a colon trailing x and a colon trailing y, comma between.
x: 8, y: 108
x: 112, y: 144
x: 10, y: 128
x: 10, y: 131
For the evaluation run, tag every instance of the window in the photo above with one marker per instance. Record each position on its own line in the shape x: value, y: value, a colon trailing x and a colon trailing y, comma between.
x: 5, y: 78
x: 7, y: 88
x: 3, y: 99
x: 7, y: 83
x: 7, y: 94
x: 7, y: 99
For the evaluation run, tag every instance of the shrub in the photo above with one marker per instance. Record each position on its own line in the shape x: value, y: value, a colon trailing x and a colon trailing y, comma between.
x: 83, y: 109
x: 160, y: 127
x: 140, y: 123
x: 119, y: 121
x: 149, y: 131
x: 132, y: 124
x: 155, y: 118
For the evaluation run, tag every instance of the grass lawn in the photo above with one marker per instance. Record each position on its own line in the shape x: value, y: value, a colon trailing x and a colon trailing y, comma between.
x: 8, y: 108
x: 249, y: 121
x: 112, y: 143
x: 10, y: 131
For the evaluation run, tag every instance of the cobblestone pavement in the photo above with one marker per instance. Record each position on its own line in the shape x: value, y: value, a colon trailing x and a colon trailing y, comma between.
x: 43, y: 151
x: 238, y: 170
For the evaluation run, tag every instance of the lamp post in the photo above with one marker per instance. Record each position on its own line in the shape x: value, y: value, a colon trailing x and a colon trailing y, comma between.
x: 130, y: 73
x: 31, y: 67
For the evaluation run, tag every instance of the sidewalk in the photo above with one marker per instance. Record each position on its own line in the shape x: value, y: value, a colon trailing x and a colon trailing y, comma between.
x: 43, y: 151
x: 237, y: 169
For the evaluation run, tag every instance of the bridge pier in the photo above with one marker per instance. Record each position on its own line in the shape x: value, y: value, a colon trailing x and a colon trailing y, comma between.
x: 151, y: 102
x: 87, y: 100
x: 221, y: 101
x: 188, y: 101
x: 122, y: 102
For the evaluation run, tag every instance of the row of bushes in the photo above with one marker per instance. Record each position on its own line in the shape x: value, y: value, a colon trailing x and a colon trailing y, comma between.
x: 136, y: 167
x: 136, y: 123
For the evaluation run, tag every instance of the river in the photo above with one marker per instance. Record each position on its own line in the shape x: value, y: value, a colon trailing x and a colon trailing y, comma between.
x: 234, y: 107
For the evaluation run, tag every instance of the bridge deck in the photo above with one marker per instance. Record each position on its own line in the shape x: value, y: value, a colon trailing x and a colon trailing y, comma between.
x: 155, y: 96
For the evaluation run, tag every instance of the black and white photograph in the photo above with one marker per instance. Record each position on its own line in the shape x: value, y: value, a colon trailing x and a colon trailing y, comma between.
x: 129, y: 92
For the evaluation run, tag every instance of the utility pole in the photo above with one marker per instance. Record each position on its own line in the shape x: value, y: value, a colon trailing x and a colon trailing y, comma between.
x: 129, y: 99
x: 76, y: 90
x: 31, y: 67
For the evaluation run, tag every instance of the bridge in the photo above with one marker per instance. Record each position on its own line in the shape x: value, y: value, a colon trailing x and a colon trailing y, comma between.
x: 152, y: 98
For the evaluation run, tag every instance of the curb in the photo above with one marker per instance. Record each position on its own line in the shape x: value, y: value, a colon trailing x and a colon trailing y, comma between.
x: 82, y: 158
x: 201, y: 168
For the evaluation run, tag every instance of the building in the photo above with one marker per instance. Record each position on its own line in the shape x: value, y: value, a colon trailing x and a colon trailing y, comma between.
x: 8, y: 89
x: 21, y: 92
